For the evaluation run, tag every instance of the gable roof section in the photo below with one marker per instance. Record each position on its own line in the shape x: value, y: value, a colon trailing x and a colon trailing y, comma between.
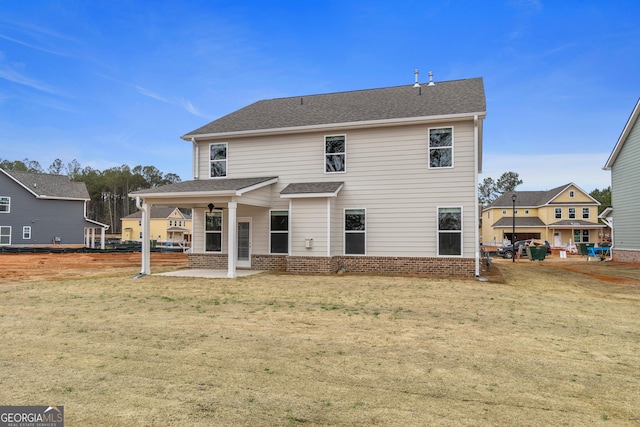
x: 311, y: 189
x: 533, y: 198
x: 158, y: 212
x: 231, y: 187
x: 365, y: 107
x: 633, y: 118
x: 48, y: 186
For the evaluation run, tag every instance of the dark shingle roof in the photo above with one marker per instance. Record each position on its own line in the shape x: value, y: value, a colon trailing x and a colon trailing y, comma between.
x: 206, y: 186
x: 445, y: 98
x: 309, y: 188
x: 51, y: 186
x: 528, y: 198
x: 157, y: 212
x: 520, y: 222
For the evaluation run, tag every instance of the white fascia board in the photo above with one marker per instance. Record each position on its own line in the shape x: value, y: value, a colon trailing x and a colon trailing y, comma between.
x: 342, y: 126
x: 241, y: 191
x: 623, y: 136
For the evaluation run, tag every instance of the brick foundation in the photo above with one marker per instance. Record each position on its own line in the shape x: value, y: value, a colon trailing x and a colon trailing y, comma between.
x: 458, y: 267
x: 623, y: 255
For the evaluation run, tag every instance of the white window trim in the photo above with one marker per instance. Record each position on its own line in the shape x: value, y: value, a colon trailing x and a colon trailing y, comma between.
x: 26, y: 232
x: 344, y: 231
x: 461, y: 231
x: 429, y: 148
x: 221, y: 232
x: 572, y: 194
x: 555, y: 214
x: 5, y: 227
x: 226, y: 160
x: 324, y: 157
x: 588, y: 211
x: 8, y: 199
x: 281, y: 232
x: 574, y: 213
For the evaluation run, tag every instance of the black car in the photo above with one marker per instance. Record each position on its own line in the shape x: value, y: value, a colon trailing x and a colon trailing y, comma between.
x: 508, y: 251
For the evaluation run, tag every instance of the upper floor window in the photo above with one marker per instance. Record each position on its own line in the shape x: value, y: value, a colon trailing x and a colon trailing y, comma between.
x: 572, y: 194
x: 572, y: 213
x: 335, y: 152
x: 585, y: 213
x: 558, y: 213
x: 441, y: 148
x: 26, y: 232
x: 450, y: 231
x: 504, y: 211
x: 218, y: 159
x: 526, y: 211
x: 5, y: 204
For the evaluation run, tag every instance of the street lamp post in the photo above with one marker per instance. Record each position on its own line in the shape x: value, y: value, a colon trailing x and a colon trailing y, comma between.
x: 513, y: 229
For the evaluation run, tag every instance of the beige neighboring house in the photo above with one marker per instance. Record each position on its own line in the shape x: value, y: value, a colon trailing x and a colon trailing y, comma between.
x: 377, y: 181
x: 564, y: 216
x: 167, y: 225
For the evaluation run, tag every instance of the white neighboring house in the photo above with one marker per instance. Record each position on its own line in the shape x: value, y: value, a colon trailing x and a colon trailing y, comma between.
x: 378, y: 181
x: 624, y: 164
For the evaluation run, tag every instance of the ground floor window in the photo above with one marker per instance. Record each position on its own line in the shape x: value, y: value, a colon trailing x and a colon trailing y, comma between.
x: 26, y: 232
x: 581, y: 236
x: 355, y: 231
x: 450, y: 231
x: 279, y: 232
x: 5, y: 235
x: 213, y: 232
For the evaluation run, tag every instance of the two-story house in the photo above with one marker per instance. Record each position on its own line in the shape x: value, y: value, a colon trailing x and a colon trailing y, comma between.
x: 624, y: 164
x: 563, y: 216
x: 379, y: 180
x: 40, y: 210
x: 167, y: 225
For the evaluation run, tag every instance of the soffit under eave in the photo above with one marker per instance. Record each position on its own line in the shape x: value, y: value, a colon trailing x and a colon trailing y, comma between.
x: 336, y: 126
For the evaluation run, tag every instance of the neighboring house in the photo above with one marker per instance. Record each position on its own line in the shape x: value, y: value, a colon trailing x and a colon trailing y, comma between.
x: 380, y: 180
x: 167, y: 224
x: 624, y: 164
x: 39, y: 209
x: 563, y: 216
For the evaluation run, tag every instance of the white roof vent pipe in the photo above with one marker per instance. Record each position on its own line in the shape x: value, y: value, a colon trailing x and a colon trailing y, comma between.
x: 416, y: 72
x: 431, y: 83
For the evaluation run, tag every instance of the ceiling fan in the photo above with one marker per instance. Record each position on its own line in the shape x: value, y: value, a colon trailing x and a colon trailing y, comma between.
x: 211, y: 207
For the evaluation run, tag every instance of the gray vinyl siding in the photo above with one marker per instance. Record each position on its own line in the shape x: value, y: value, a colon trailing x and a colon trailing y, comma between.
x: 625, y: 193
x: 47, y: 218
x: 387, y: 173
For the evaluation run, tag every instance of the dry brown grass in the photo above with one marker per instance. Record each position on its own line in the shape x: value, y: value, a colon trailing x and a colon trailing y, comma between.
x: 546, y: 347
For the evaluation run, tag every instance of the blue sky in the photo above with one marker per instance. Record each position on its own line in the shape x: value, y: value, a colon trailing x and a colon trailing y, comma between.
x: 118, y: 82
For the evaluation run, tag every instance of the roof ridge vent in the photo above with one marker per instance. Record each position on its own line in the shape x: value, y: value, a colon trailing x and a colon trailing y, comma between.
x: 431, y: 83
x: 416, y: 72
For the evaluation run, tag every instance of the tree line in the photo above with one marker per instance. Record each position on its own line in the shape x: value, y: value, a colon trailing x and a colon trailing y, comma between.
x: 108, y: 189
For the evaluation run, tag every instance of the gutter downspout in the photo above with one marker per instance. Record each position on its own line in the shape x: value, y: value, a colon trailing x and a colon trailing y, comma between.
x: 476, y: 221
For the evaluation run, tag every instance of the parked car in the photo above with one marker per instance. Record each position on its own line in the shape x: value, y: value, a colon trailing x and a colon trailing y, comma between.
x: 508, y: 251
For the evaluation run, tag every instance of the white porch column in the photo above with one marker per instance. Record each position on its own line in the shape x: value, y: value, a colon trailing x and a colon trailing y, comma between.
x: 102, y: 237
x: 146, y: 249
x: 93, y: 238
x: 231, y: 244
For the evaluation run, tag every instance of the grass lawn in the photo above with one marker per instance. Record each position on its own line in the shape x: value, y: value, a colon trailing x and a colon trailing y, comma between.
x: 547, y: 347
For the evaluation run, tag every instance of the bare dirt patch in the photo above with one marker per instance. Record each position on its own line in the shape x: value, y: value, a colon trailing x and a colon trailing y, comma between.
x: 27, y: 267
